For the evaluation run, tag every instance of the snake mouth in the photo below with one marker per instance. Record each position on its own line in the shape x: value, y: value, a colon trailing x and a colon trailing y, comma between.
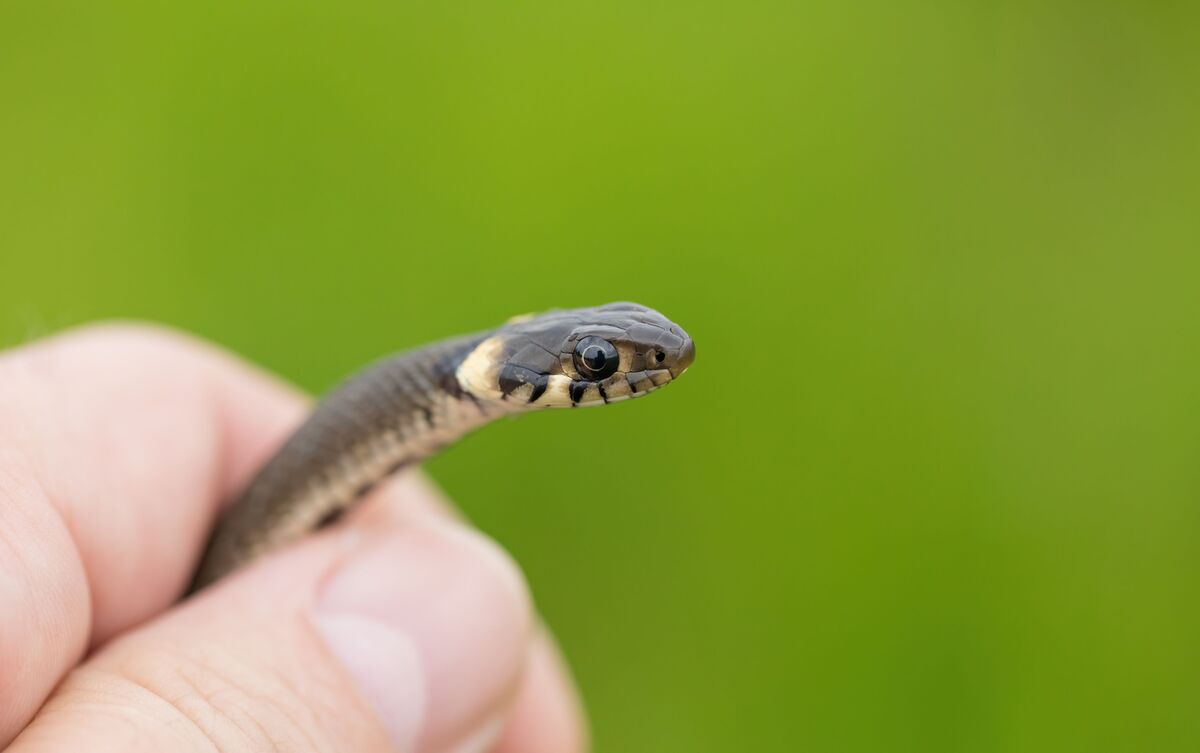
x: 619, y: 387
x: 564, y: 392
x: 645, y: 382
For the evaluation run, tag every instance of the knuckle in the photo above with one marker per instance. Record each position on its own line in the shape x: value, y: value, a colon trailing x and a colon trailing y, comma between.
x: 200, y: 702
x: 99, y: 354
x: 130, y: 333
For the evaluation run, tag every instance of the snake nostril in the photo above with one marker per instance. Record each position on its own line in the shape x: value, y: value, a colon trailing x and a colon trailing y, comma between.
x: 659, y: 356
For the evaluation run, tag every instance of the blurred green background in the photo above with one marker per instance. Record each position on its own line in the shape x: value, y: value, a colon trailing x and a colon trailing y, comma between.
x: 934, y: 481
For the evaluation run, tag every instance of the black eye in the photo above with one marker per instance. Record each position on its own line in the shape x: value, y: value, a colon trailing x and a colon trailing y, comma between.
x: 596, y: 358
x: 659, y: 356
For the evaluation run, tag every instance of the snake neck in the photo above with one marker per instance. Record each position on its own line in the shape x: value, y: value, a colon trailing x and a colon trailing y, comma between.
x: 392, y: 415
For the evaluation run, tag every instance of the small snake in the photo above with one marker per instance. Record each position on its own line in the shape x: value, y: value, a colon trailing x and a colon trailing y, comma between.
x: 409, y: 406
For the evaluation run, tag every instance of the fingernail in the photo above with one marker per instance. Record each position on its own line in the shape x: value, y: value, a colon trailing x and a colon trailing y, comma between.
x: 432, y: 623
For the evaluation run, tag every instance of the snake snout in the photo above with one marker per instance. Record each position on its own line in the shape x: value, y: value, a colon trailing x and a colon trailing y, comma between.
x: 687, y: 354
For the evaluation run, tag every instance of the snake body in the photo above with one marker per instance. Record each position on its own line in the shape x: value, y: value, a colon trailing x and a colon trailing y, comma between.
x: 407, y: 407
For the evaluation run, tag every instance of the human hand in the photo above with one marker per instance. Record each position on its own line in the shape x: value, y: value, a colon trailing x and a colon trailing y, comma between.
x: 401, y: 629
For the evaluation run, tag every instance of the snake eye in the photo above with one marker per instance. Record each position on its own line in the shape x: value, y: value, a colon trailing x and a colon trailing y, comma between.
x: 596, y: 358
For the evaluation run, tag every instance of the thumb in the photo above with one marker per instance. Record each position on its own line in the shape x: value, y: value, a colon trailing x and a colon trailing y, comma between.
x: 412, y: 639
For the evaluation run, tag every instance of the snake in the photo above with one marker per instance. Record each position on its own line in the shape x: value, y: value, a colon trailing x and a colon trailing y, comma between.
x: 407, y: 407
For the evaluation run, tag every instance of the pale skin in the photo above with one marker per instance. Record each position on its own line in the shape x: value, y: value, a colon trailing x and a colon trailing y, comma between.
x: 400, y: 629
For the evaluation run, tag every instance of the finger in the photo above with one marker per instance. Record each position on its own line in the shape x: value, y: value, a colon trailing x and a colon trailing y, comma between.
x: 547, y: 716
x: 412, y: 639
x: 116, y: 445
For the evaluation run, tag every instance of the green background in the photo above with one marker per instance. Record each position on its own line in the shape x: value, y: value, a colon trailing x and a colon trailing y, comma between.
x: 933, y: 483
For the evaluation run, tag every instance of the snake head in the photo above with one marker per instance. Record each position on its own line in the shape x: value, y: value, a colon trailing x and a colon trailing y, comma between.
x: 574, y: 357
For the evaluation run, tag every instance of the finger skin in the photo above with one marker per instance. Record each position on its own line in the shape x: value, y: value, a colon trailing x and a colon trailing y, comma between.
x: 547, y: 716
x: 135, y: 435
x: 244, y: 666
x: 117, y: 443
x: 43, y: 604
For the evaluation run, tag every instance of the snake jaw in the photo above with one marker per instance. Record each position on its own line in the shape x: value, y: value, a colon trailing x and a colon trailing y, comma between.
x: 565, y: 392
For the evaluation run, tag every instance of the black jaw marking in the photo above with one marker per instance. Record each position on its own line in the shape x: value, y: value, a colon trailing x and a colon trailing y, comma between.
x: 513, y: 377
x: 539, y: 387
x: 603, y: 393
x: 577, y: 389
